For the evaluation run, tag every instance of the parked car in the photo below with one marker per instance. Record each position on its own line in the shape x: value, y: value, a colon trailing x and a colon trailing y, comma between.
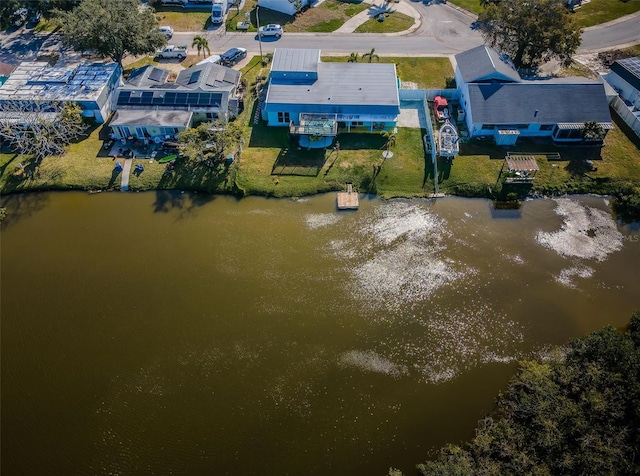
x: 167, y: 30
x: 232, y: 56
x: 441, y: 108
x: 270, y: 30
x: 172, y: 51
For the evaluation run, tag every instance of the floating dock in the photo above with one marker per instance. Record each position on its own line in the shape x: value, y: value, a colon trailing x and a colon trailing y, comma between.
x: 348, y: 200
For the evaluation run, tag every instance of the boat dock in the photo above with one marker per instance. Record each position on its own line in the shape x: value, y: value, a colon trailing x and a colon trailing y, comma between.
x: 348, y: 200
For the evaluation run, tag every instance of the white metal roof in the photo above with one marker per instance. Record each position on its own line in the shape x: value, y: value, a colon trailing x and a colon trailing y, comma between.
x: 41, y: 82
x: 343, y: 84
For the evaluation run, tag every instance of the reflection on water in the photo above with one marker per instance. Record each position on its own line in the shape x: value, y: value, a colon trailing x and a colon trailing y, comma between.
x: 176, y: 334
x: 586, y: 232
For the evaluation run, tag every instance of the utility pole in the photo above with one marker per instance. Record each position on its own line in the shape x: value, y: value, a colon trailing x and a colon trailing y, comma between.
x: 259, y: 36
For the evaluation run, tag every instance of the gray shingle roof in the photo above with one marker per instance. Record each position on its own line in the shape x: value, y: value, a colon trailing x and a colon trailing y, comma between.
x: 208, y: 76
x: 555, y: 101
x: 483, y: 63
x: 342, y: 84
x: 146, y: 76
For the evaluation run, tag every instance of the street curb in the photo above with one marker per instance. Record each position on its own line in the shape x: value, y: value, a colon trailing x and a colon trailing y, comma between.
x: 462, y: 10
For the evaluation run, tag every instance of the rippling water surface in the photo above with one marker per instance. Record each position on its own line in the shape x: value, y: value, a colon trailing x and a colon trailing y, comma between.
x: 175, y: 334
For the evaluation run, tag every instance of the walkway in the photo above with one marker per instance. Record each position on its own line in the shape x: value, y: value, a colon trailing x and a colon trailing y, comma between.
x: 126, y: 171
x: 403, y: 7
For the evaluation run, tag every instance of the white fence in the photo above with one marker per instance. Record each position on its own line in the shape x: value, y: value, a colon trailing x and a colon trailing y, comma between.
x: 626, y: 115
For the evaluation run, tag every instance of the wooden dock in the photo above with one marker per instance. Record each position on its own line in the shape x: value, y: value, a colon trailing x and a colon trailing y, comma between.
x: 348, y: 200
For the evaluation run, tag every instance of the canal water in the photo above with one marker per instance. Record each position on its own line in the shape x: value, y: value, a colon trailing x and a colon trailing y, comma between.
x: 167, y: 333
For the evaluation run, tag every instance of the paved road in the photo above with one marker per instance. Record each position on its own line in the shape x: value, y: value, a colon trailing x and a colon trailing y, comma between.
x: 444, y: 31
x: 622, y: 32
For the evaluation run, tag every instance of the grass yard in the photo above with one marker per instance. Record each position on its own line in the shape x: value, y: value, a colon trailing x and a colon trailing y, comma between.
x: 592, y: 13
x: 469, y: 5
x: 326, y: 17
x: 601, y: 11
x: 79, y: 168
x: 184, y: 19
x: 139, y: 63
x: 273, y: 165
x: 477, y: 167
x: 578, y: 69
x: 393, y: 23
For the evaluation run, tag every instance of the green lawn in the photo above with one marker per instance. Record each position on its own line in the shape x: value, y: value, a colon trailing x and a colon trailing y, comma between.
x: 393, y: 23
x: 477, y: 167
x: 184, y: 19
x: 601, y: 11
x: 271, y: 164
x: 469, y: 5
x: 592, y: 13
x: 79, y: 168
x: 326, y: 17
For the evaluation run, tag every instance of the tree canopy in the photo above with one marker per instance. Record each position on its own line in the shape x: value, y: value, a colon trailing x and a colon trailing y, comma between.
x: 209, y: 140
x: 8, y: 8
x: 575, y: 415
x: 113, y: 28
x: 530, y: 31
x: 41, y: 129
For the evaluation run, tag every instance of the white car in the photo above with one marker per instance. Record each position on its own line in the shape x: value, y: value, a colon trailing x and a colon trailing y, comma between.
x: 167, y: 30
x: 270, y: 30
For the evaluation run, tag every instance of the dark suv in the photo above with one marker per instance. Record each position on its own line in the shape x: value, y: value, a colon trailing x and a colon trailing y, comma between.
x: 231, y: 57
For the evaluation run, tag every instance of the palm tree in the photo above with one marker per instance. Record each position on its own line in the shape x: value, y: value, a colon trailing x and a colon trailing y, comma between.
x: 371, y: 55
x: 593, y: 132
x: 353, y: 58
x: 390, y: 137
x: 202, y: 44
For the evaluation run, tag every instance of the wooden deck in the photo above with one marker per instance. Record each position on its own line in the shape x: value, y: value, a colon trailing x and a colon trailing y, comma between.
x: 348, y: 200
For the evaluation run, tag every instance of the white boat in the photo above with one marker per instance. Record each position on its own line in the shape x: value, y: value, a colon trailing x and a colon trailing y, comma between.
x: 448, y: 140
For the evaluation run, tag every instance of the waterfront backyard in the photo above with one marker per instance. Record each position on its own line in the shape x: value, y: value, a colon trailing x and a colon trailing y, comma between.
x: 271, y: 164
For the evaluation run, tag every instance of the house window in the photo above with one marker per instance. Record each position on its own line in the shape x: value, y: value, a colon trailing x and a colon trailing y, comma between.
x: 284, y: 117
x: 169, y: 131
x: 211, y: 115
x: 546, y: 127
x: 357, y: 123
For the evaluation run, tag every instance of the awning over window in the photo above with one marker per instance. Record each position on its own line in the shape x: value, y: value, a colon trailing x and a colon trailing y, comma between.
x: 580, y: 125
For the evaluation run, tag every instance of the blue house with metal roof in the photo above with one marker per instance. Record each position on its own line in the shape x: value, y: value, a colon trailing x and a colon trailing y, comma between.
x: 497, y: 102
x: 151, y: 107
x: 317, y: 100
